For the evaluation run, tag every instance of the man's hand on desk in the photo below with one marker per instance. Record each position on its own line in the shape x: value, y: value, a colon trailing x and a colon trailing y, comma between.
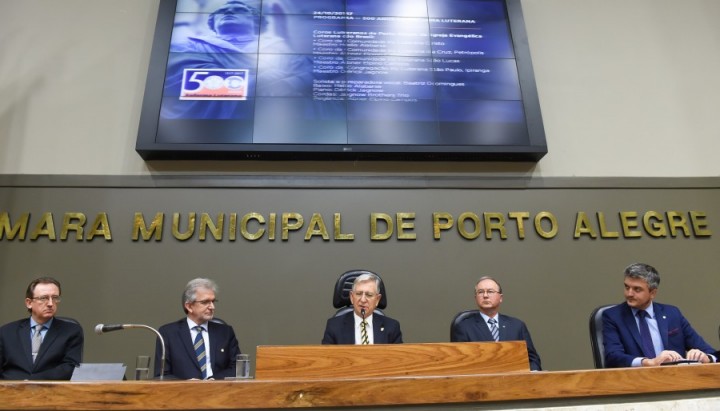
x: 698, y: 355
x: 669, y: 356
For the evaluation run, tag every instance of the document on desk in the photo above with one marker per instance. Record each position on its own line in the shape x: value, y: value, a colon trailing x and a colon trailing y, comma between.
x: 99, y: 372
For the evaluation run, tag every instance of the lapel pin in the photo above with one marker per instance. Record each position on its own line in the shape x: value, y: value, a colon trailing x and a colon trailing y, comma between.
x: 382, y: 329
x: 222, y: 350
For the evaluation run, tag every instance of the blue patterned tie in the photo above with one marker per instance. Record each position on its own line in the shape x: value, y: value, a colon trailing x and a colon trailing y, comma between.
x: 645, y: 338
x: 200, y: 353
x: 494, y: 329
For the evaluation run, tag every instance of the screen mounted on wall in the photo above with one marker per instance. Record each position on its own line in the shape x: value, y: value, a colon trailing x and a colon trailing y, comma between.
x: 341, y: 79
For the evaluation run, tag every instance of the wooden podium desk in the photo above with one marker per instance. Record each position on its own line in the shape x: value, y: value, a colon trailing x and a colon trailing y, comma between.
x: 456, y: 391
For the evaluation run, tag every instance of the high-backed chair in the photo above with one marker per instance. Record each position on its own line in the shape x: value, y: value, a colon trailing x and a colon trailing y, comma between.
x: 459, y: 317
x: 343, y: 287
x: 596, y: 337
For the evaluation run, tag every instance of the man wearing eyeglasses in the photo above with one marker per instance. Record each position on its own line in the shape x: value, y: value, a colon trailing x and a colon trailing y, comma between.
x: 198, y: 347
x: 41, y: 347
x: 488, y: 324
x: 361, y: 326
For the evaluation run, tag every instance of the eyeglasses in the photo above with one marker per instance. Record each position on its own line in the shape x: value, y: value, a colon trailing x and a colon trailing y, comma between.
x: 367, y: 294
x: 489, y: 293
x: 206, y: 302
x: 45, y: 298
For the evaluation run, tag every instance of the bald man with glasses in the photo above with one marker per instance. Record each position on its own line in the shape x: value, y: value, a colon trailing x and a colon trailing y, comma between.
x: 487, y: 324
x: 361, y: 326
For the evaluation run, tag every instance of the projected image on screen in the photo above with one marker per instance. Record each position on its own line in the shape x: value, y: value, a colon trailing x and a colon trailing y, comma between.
x: 339, y: 75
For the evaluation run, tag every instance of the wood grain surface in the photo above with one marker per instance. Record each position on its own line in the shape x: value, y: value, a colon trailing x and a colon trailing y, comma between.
x: 294, y: 362
x: 338, y: 393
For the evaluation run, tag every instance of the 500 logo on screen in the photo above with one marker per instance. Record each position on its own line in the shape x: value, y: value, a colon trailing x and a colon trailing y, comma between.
x: 214, y: 84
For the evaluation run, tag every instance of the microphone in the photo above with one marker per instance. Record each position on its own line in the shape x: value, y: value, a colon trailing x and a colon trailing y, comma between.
x: 102, y: 328
x: 362, y: 313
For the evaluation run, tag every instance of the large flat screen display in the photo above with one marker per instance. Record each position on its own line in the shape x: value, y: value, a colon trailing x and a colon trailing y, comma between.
x: 341, y: 79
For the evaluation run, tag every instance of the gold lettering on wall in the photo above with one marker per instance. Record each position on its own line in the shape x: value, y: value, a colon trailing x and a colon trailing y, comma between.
x: 176, y: 227
x: 470, y: 225
x: 140, y: 229
x: 654, y: 224
x: 10, y: 231
x: 339, y: 235
x: 254, y: 226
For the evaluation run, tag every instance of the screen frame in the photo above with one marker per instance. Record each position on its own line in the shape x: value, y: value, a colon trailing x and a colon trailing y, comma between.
x: 149, y: 149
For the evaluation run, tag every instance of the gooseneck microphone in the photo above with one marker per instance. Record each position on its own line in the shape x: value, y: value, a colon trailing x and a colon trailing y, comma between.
x: 102, y: 328
x: 362, y: 314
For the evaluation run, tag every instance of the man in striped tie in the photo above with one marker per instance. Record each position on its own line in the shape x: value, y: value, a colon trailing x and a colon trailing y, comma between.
x: 198, y: 347
x: 488, y: 324
x: 361, y: 326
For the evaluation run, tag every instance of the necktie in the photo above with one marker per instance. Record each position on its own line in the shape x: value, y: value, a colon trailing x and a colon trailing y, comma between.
x: 36, y: 340
x: 645, y: 338
x: 364, y: 340
x: 494, y: 329
x: 200, y: 353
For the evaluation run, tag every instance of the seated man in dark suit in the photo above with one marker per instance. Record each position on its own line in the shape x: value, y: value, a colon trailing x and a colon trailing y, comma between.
x: 196, y: 347
x: 360, y: 326
x: 41, y: 347
x: 488, y: 325
x: 640, y: 332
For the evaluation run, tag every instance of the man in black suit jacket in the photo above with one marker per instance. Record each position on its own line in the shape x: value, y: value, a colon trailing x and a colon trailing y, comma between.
x: 221, y: 345
x: 476, y: 327
x: 62, y: 341
x: 347, y: 328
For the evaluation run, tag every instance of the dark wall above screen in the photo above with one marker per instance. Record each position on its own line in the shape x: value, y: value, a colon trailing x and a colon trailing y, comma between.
x: 341, y: 79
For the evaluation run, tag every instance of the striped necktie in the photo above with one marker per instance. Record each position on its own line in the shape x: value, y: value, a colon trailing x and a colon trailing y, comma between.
x: 494, y: 329
x: 36, y: 341
x: 364, y: 340
x: 200, y: 353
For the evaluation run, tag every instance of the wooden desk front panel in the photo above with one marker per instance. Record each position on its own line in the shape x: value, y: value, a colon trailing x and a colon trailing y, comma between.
x: 298, y: 362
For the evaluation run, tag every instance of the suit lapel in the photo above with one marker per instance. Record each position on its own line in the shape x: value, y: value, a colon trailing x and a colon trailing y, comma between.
x: 348, y: 333
x: 186, y: 338
x: 25, y: 340
x: 631, y: 324
x: 379, y: 334
x: 50, y: 336
x: 482, y: 327
x: 503, y: 322
x: 659, y: 312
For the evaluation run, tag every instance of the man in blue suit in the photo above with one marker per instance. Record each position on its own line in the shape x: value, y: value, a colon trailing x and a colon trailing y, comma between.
x: 360, y: 326
x: 196, y: 347
x: 488, y: 325
x: 641, y: 332
x: 58, y: 344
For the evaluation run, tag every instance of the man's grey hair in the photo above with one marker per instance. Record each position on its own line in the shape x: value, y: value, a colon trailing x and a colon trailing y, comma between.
x: 644, y: 272
x: 367, y: 277
x: 192, y: 287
